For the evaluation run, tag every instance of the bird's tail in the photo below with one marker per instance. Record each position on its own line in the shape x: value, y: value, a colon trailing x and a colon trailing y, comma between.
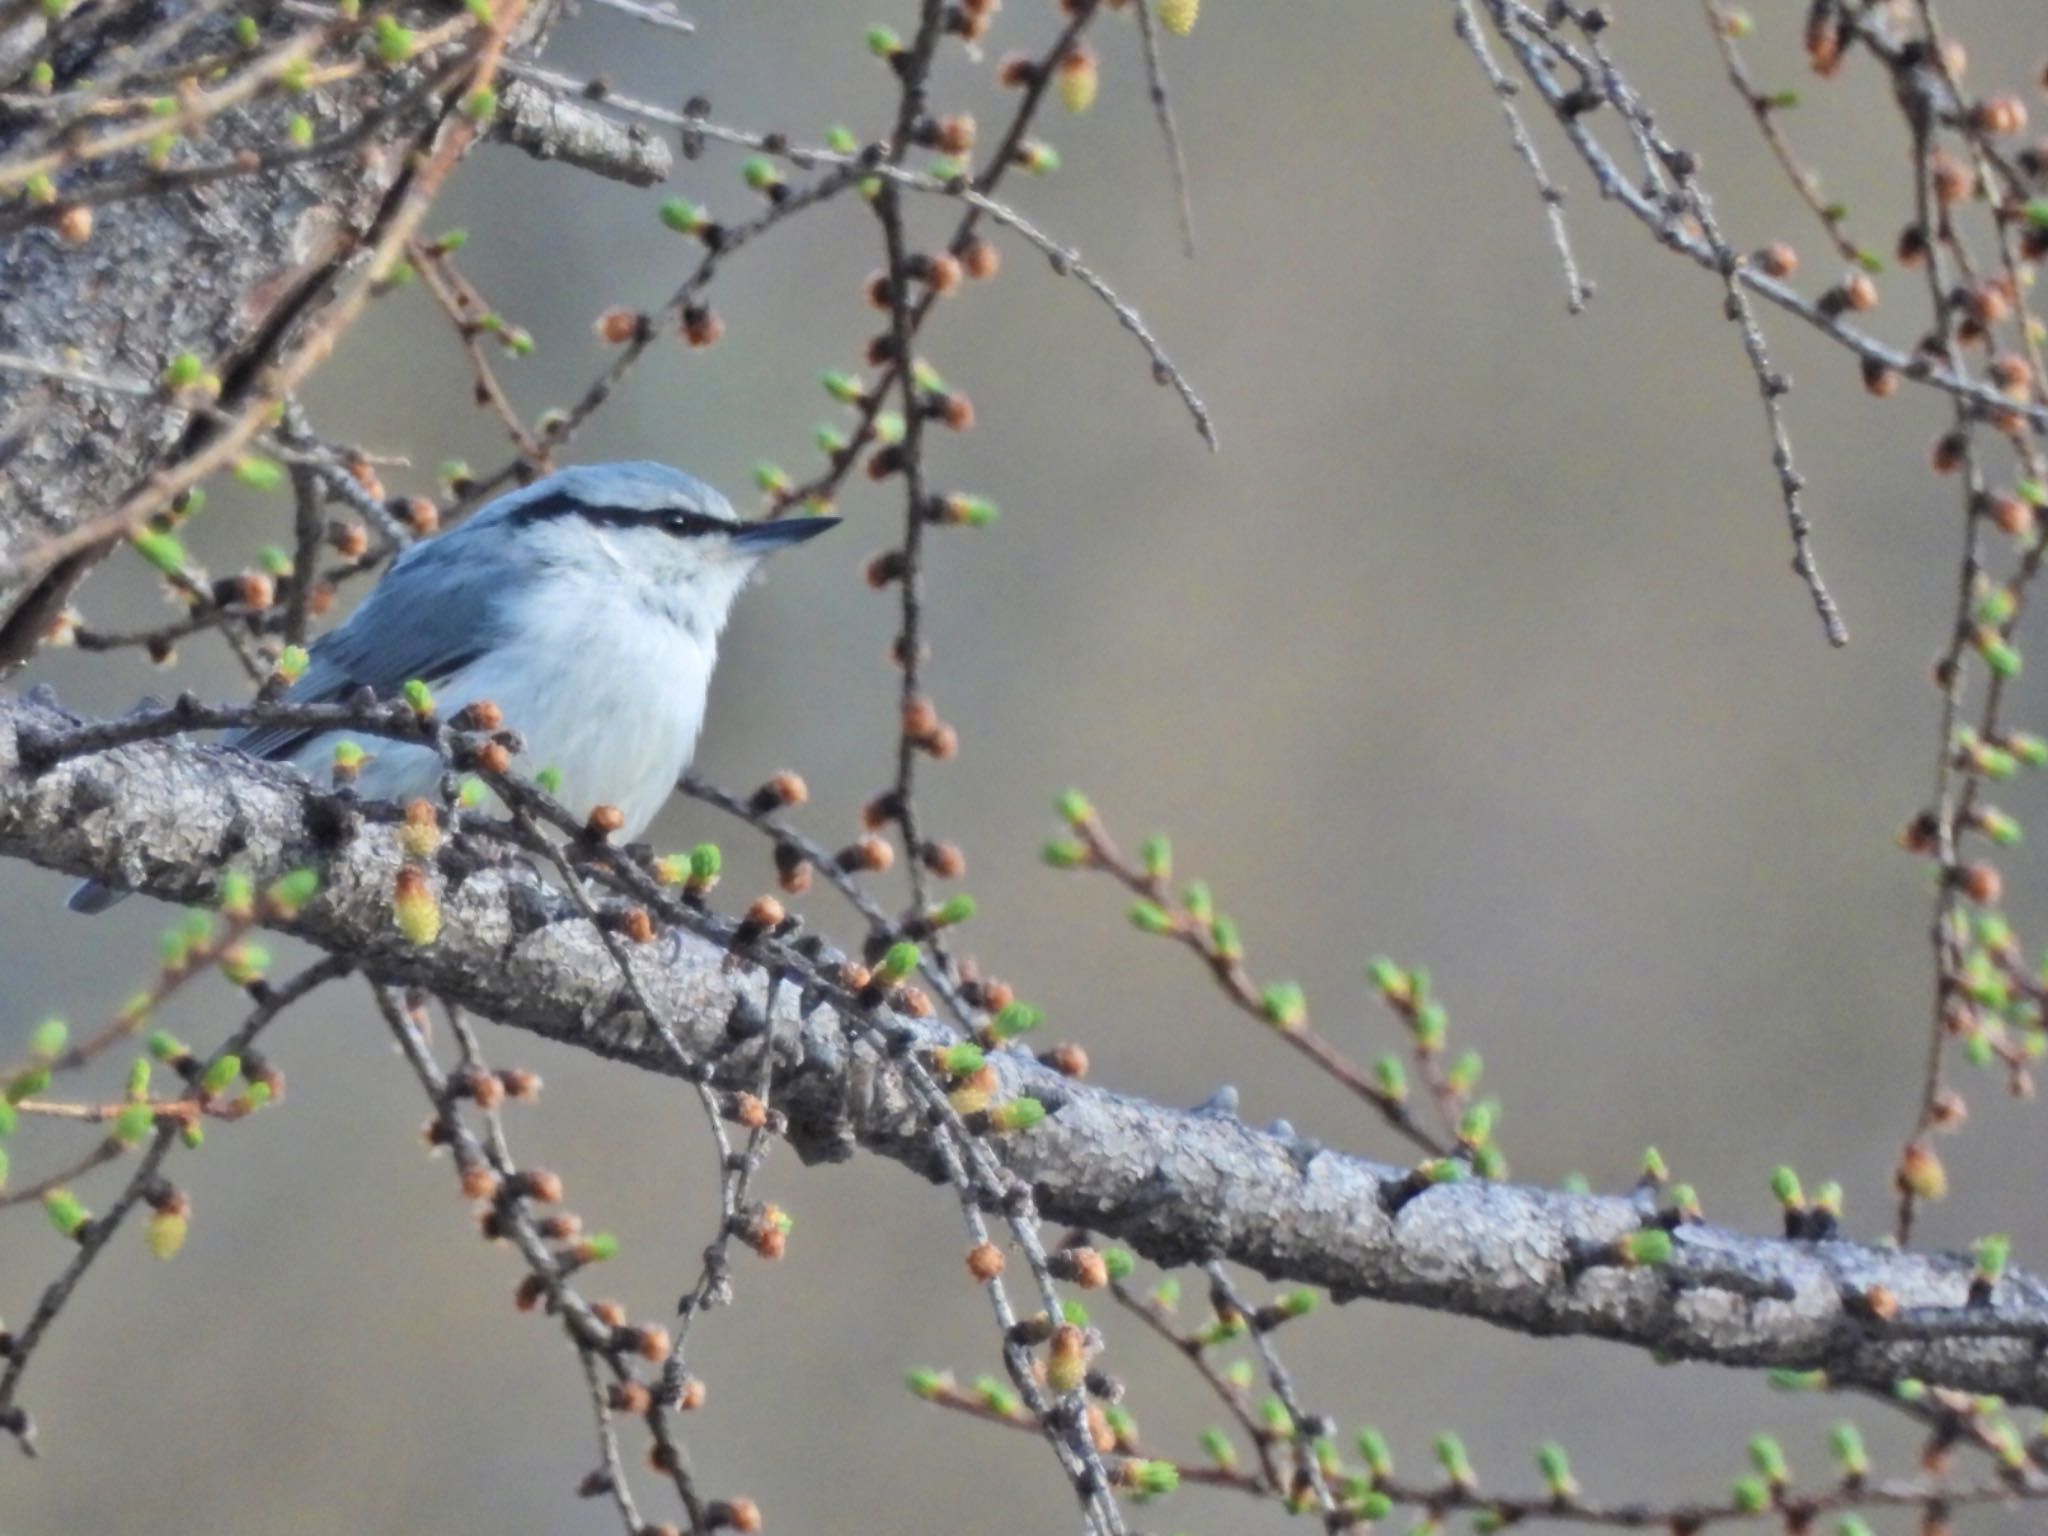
x: 93, y: 898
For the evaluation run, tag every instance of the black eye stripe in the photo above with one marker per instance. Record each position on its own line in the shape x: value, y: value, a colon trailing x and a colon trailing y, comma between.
x: 682, y: 522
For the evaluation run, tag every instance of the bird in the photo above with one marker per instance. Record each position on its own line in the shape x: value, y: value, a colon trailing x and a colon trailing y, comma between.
x: 586, y: 606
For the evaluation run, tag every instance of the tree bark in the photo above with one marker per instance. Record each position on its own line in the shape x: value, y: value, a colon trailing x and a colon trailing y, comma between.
x: 229, y: 270
x: 169, y: 816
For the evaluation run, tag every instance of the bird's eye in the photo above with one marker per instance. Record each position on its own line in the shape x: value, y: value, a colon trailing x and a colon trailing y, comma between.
x: 688, y: 522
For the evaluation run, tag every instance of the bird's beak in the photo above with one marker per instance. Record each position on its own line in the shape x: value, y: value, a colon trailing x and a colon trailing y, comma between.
x: 779, y: 533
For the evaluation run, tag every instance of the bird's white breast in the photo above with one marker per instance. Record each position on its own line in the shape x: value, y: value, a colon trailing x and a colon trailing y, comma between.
x: 606, y: 693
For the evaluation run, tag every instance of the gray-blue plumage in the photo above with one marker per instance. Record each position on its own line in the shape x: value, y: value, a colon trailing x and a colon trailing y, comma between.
x: 587, y: 606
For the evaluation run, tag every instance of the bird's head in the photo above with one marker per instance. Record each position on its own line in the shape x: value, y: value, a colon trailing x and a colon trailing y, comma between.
x: 650, y: 532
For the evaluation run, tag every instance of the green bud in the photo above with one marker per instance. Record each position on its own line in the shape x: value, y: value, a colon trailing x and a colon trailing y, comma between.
x: 247, y: 33
x: 1150, y: 917
x: 66, y: 1213
x: 1785, y: 1188
x: 48, y: 1038
x: 548, y: 780
x: 1015, y: 1019
x: 900, y: 961
x: 184, y: 371
x: 843, y: 387
x: 138, y: 1078
x: 292, y: 892
x: 956, y: 910
x: 1475, y: 1126
x: 1450, y: 1455
x: 480, y: 105
x: 1992, y: 1253
x: 1797, y: 1381
x: 1217, y: 1447
x: 601, y: 1247
x: 1017, y: 1115
x: 883, y: 42
x: 419, y: 696
x: 964, y: 1059
x: 840, y: 140
x: 1284, y: 1005
x: 1751, y: 1495
x: 133, y: 1123
x: 760, y: 174
x: 1073, y: 808
x: 1151, y: 1479
x: 1224, y: 936
x: 395, y: 43
x: 925, y: 1384
x: 221, y: 1074
x: 1846, y: 1441
x: 1075, y: 1313
x: 1768, y: 1457
x: 1556, y: 1468
x: 1391, y: 1077
x: 160, y: 549
x: 192, y: 1134
x: 27, y: 1083
x: 1119, y: 1263
x: 705, y: 863
x: 1647, y: 1248
x: 1065, y: 853
x: 1157, y: 855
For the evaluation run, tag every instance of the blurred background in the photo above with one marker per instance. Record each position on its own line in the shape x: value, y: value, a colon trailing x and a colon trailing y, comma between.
x: 1475, y: 645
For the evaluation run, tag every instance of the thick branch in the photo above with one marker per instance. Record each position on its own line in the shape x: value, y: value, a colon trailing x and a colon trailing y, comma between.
x: 1176, y: 1185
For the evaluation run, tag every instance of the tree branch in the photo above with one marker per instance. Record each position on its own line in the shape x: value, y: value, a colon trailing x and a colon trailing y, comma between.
x: 1179, y: 1186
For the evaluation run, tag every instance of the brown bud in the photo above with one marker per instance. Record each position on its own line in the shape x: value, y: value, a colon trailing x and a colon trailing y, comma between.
x: 494, y: 757
x: 997, y: 995
x: 531, y: 1292
x: 539, y: 1184
x: 1951, y: 179
x: 956, y: 411
x: 1882, y: 1302
x: 942, y: 272
x: 253, y: 589
x: 638, y: 926
x: 616, y: 327
x: 871, y: 854
x: 1948, y: 453
x: 876, y: 290
x: 481, y: 715
x: 1777, y: 260
x: 955, y: 135
x: 2011, y: 374
x: 604, y: 820
x: 629, y: 1397
x: 984, y: 1261
x: 423, y: 516
x: 742, y: 1515
x: 884, y: 568
x: 944, y: 860
x: 881, y: 811
x: 941, y: 745
x: 1981, y: 883
x: 1067, y: 1059
x: 1948, y: 1109
x: 701, y: 326
x: 1090, y: 1271
x: 1016, y: 71
x: 920, y: 716
x: 478, y: 1182
x: 748, y: 1111
x: 2002, y: 115
x: 1920, y: 1172
x: 1859, y: 292
x: 765, y: 913
x: 785, y: 788
x: 74, y: 224
x: 691, y: 1397
x: 1881, y: 381
x: 2012, y: 516
x: 347, y: 539
x: 981, y: 259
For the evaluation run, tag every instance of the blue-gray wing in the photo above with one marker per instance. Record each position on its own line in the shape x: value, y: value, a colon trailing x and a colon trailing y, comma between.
x: 440, y: 606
